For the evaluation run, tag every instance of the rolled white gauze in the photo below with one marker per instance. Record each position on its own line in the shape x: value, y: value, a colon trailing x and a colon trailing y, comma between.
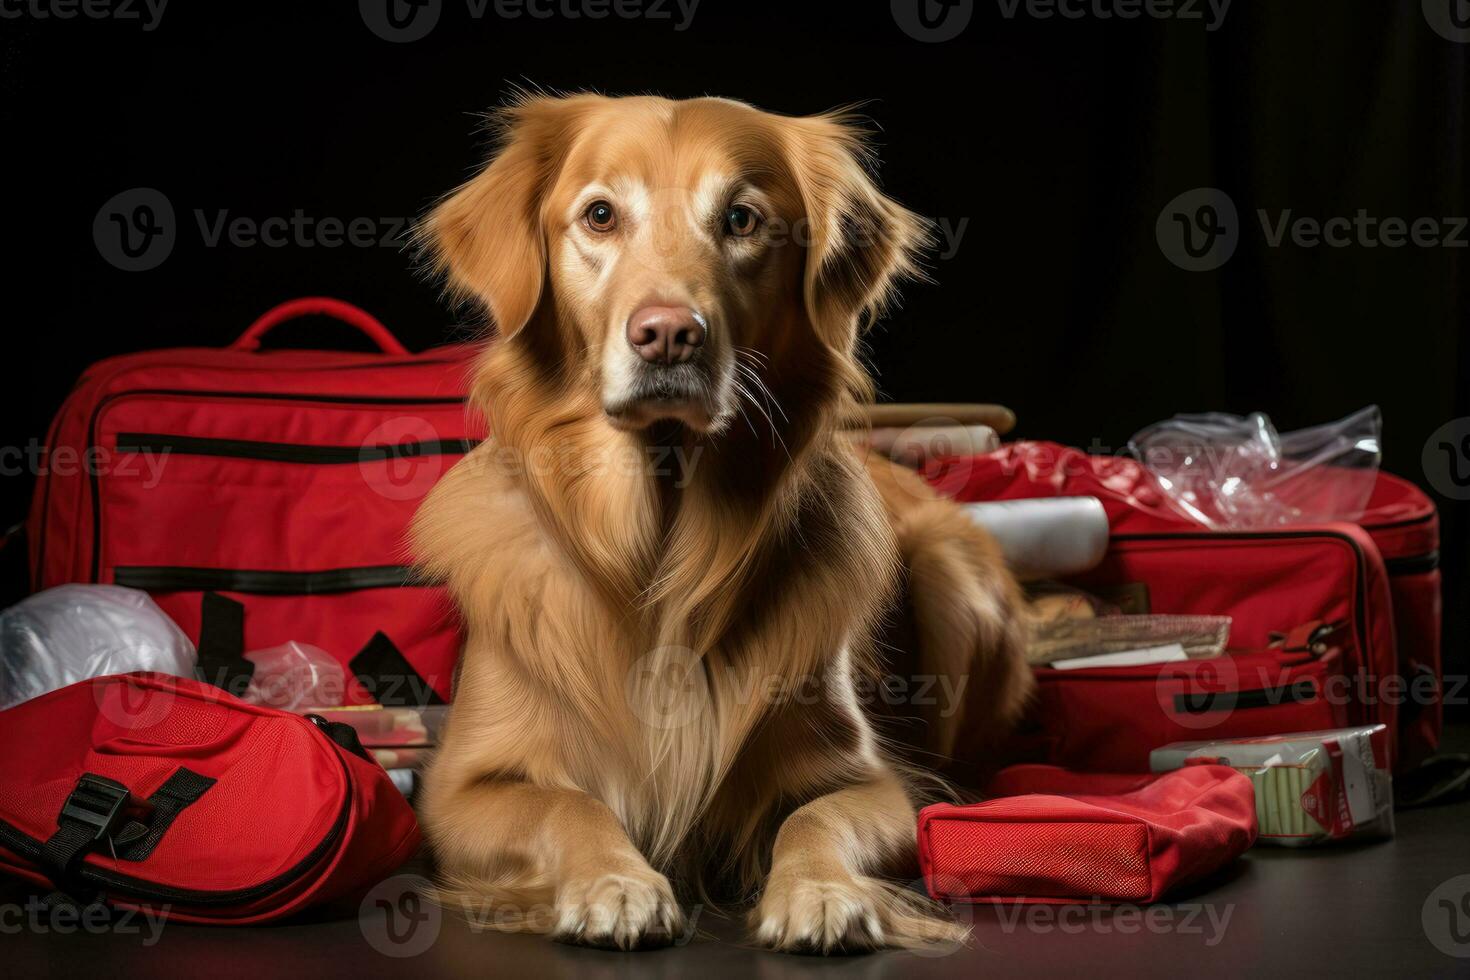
x: 1046, y: 537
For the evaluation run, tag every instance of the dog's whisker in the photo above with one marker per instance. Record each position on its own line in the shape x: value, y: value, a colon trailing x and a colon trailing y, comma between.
x: 752, y: 373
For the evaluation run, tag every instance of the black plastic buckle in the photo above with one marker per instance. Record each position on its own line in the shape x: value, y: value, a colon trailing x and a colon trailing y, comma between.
x: 98, y: 802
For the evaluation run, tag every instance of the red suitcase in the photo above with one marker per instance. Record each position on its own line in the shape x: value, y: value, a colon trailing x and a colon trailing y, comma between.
x: 1370, y: 589
x: 277, y: 481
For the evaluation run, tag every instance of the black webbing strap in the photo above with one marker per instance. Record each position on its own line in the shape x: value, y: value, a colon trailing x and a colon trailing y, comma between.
x: 136, y: 840
x: 388, y: 676
x: 222, y: 644
x: 91, y: 814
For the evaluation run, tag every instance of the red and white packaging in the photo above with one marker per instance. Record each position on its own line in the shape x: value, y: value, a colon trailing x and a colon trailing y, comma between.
x: 1311, y: 787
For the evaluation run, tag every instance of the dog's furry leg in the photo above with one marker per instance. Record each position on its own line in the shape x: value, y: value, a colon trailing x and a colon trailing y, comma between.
x: 965, y: 618
x: 821, y: 896
x: 524, y: 858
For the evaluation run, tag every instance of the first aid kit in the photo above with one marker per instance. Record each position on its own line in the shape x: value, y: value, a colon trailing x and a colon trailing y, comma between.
x: 261, y: 497
x: 1050, y: 835
x: 146, y: 791
x: 1331, y: 624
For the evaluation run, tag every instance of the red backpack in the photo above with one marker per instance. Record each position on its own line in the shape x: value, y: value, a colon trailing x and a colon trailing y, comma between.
x: 151, y: 792
x: 262, y: 496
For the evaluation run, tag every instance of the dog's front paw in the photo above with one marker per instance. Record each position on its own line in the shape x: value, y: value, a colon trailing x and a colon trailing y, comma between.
x: 632, y: 909
x: 804, y: 915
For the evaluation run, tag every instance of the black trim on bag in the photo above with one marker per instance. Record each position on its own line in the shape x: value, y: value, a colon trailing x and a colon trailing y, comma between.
x: 1413, y: 564
x: 171, y: 578
x: 382, y: 670
x: 286, y: 452
x: 94, y: 479
x: 222, y: 644
x: 29, y: 848
x: 1201, y: 702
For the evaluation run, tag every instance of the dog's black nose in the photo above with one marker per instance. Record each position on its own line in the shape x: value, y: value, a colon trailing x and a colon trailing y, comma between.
x: 665, y: 334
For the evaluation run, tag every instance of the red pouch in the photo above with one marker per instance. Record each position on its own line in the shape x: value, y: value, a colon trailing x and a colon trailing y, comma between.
x: 152, y: 792
x: 1056, y: 836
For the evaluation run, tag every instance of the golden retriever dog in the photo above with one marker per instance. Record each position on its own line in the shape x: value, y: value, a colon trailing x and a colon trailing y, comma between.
x: 673, y: 564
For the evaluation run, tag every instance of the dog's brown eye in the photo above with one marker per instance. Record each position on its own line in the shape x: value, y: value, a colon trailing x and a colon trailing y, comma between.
x: 741, y: 221
x: 600, y: 216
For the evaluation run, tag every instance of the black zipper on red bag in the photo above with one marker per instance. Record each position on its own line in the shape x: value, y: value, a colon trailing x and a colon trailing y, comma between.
x: 286, y: 452
x: 331, y: 581
x: 1263, y: 697
x: 129, y: 887
x: 94, y: 479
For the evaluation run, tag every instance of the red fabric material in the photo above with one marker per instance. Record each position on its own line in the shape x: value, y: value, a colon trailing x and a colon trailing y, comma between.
x: 219, y: 510
x: 292, y: 815
x: 1056, y: 836
x: 1376, y: 576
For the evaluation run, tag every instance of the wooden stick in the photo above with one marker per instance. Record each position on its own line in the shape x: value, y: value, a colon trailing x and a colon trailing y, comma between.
x: 902, y: 415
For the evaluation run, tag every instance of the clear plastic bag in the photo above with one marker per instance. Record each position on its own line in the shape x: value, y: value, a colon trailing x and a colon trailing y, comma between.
x: 73, y: 632
x: 1311, y: 787
x: 1229, y: 472
x: 295, y: 676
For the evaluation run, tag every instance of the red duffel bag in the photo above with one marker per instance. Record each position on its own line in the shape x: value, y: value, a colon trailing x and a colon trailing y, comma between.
x: 1055, y: 836
x: 1333, y: 624
x: 145, y: 791
x: 262, y: 497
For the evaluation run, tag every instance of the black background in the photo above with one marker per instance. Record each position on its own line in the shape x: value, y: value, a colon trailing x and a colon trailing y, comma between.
x: 1057, y: 141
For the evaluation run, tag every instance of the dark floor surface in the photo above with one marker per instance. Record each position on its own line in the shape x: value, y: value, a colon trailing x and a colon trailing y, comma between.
x: 1398, y: 907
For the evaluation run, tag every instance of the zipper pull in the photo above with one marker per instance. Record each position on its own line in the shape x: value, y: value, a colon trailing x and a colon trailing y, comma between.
x: 1313, y: 637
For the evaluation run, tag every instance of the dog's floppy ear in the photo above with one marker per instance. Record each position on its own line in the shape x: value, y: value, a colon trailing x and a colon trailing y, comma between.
x: 486, y: 237
x: 860, y: 243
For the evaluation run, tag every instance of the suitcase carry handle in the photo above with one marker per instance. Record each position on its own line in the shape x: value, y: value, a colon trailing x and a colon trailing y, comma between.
x: 353, y: 316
